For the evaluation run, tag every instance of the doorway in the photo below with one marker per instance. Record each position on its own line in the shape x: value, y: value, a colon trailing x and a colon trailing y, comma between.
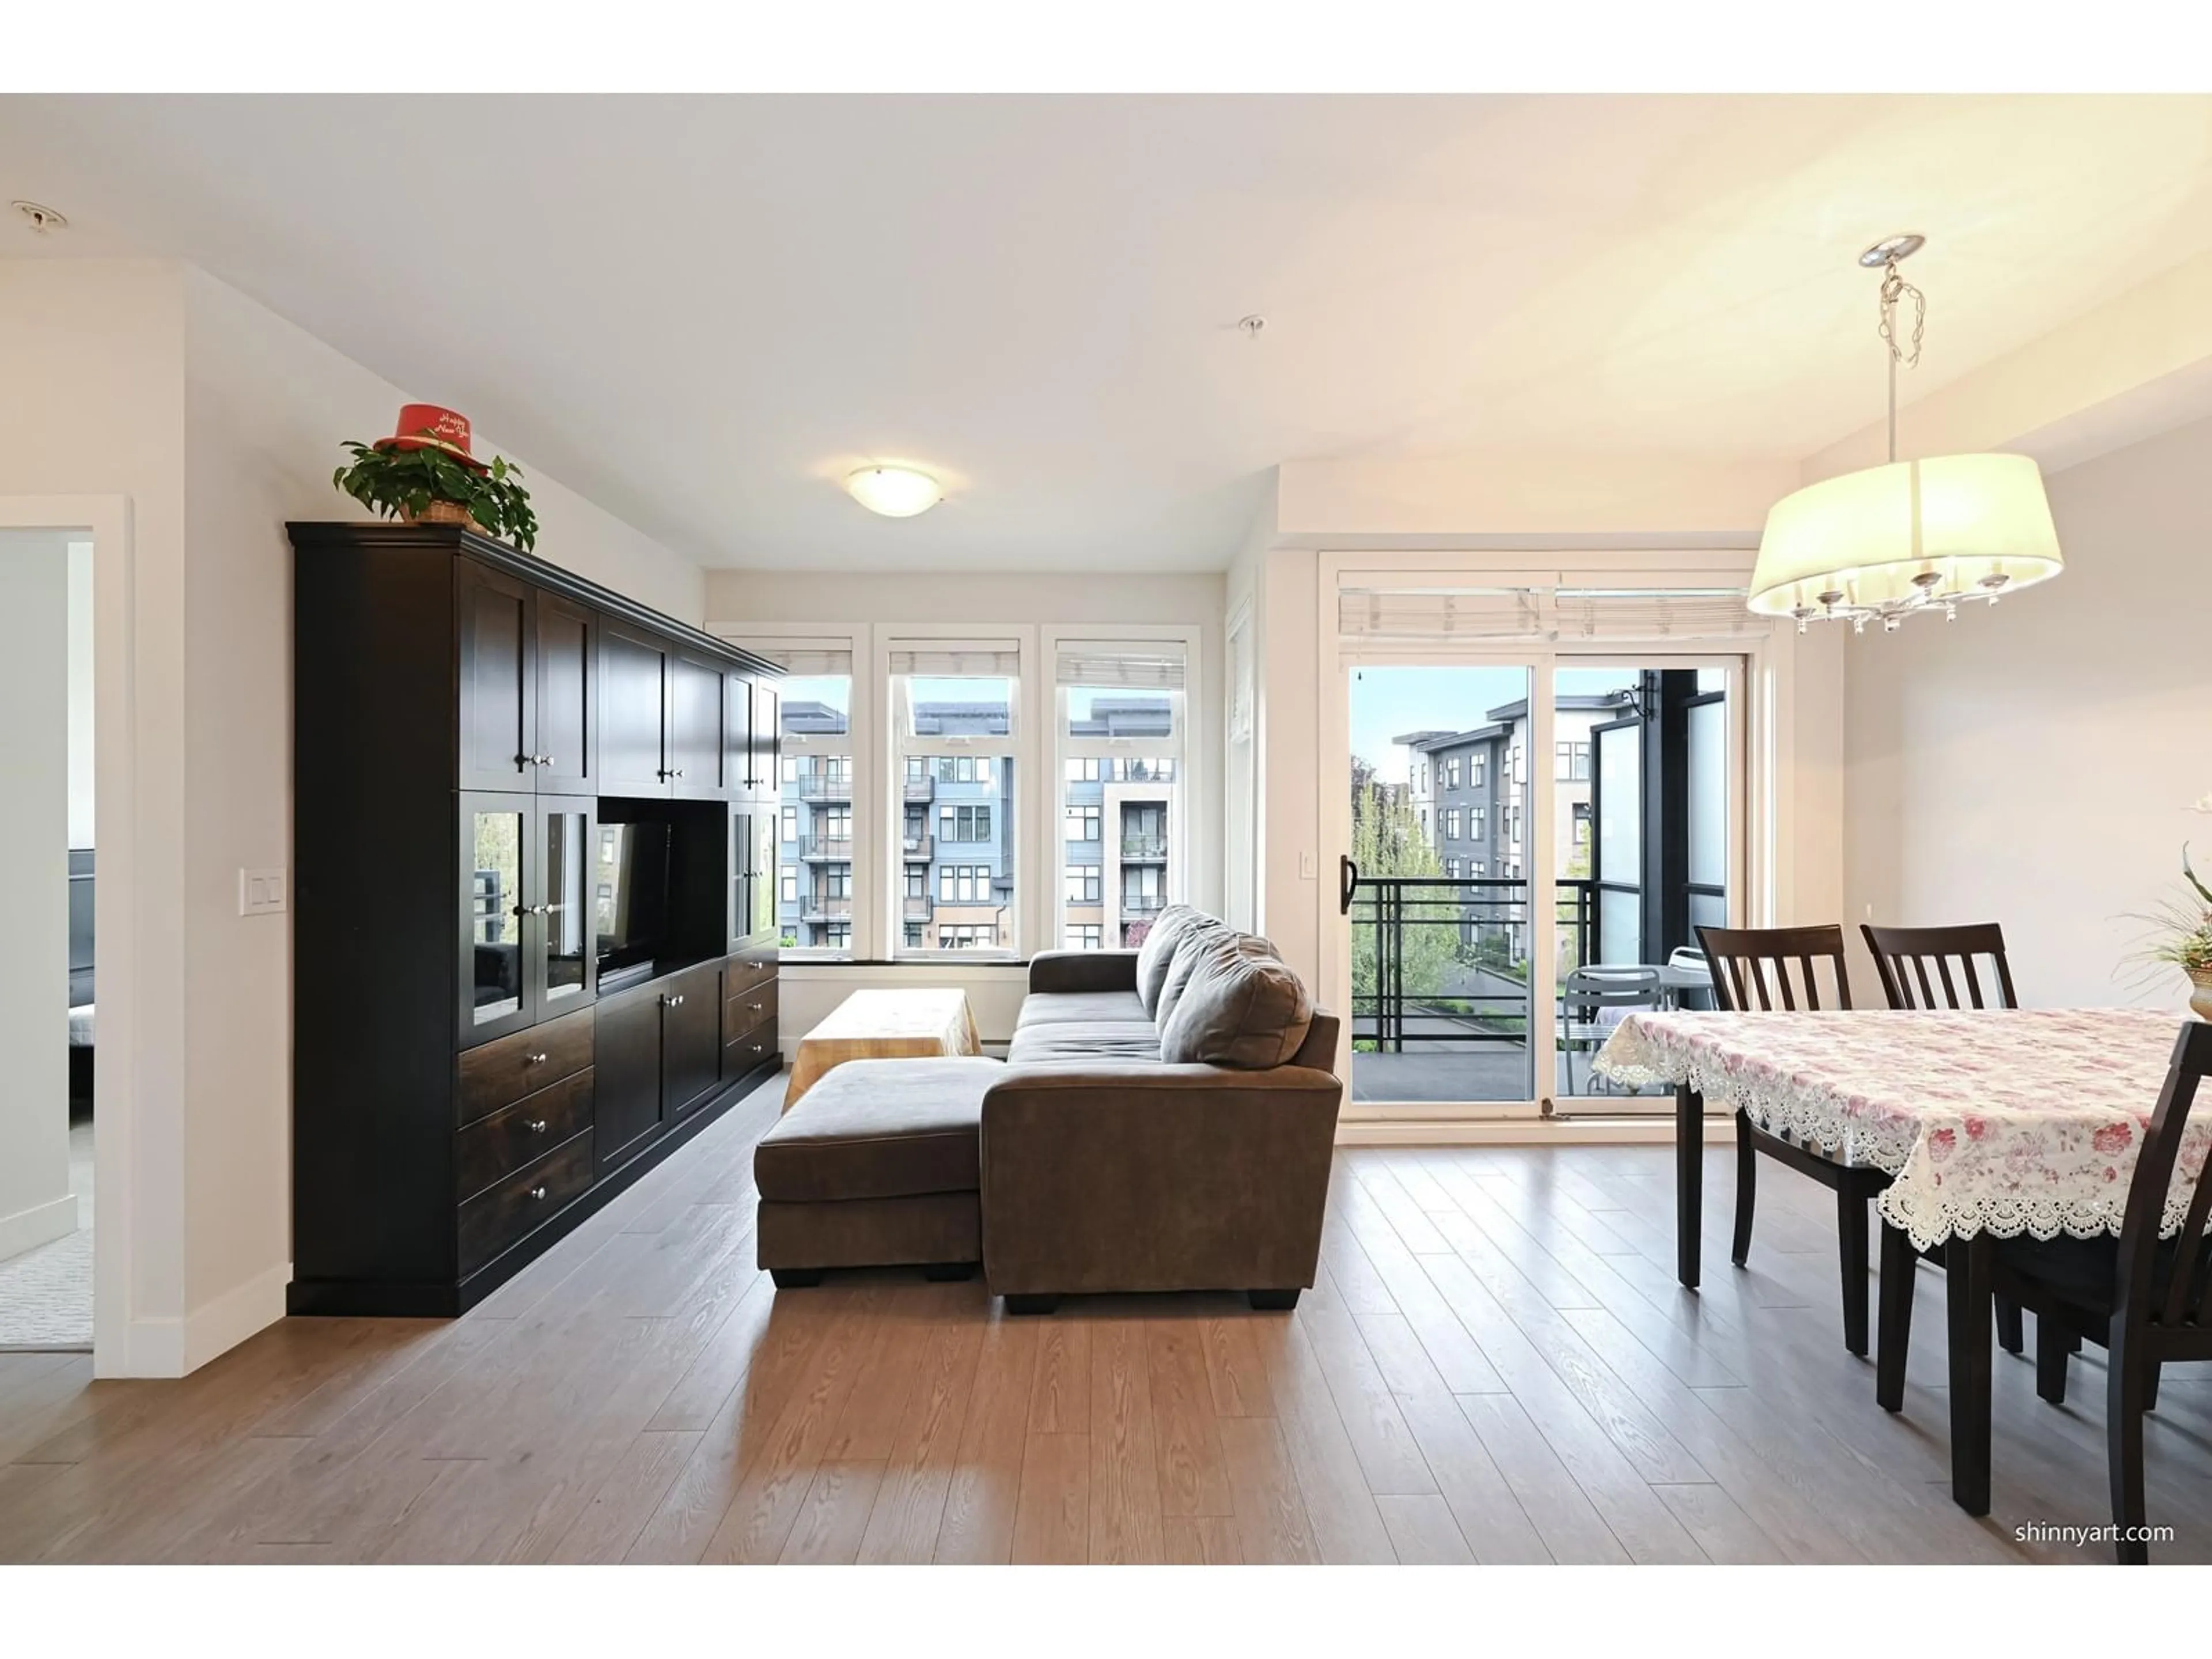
x: 48, y: 1010
x: 1533, y: 840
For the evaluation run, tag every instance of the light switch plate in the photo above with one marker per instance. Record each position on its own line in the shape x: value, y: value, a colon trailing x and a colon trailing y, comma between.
x: 1309, y: 867
x: 260, y: 892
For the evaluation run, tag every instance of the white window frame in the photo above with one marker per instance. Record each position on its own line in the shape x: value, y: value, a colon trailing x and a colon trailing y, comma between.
x: 1015, y: 937
x: 1185, y: 794
x: 1764, y: 669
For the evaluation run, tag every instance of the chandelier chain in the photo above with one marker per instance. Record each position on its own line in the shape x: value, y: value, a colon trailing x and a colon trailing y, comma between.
x: 1894, y: 288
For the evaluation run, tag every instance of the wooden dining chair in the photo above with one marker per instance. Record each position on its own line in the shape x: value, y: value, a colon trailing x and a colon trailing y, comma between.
x: 1903, y: 959
x: 1760, y: 970
x: 2146, y: 1300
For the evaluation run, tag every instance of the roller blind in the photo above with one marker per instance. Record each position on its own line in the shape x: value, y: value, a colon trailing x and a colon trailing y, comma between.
x: 807, y: 657
x: 1508, y: 614
x: 1137, y: 666
x: 947, y: 659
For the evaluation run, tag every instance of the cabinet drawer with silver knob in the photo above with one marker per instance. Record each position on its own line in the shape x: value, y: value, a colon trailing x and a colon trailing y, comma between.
x: 500, y: 1072
x: 505, y: 1214
x: 494, y: 1147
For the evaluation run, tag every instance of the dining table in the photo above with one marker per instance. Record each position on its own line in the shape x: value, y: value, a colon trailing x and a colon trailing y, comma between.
x: 1993, y: 1123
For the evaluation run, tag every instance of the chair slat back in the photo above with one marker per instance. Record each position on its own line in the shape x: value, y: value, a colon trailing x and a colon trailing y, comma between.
x: 1589, y: 989
x: 1903, y: 956
x: 1752, y: 967
x: 2146, y: 1191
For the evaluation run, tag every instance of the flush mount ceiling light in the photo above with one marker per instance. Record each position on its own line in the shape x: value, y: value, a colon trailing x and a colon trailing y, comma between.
x: 896, y: 492
x: 1886, y: 542
x: 43, y: 218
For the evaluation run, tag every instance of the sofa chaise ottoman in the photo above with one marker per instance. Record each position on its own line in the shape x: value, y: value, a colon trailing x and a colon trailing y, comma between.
x: 877, y: 1166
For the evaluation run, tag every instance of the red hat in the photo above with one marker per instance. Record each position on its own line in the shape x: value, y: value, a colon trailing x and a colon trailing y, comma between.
x: 426, y: 426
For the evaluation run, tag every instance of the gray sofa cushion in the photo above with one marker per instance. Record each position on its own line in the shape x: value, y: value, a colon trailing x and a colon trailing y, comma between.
x: 1241, y: 1006
x: 1057, y: 1007
x: 1158, y: 951
x: 1189, y: 947
x: 880, y: 1128
x: 1120, y: 1043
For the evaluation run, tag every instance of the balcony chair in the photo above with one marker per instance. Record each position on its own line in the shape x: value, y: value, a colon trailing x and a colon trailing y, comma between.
x: 2143, y: 1298
x: 1592, y: 1001
x: 1902, y: 958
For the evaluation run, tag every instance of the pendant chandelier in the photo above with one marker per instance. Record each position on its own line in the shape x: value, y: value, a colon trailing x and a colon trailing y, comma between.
x: 1891, y: 541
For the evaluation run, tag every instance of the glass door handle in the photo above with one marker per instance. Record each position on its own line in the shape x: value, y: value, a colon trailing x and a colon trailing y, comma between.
x: 1348, y: 873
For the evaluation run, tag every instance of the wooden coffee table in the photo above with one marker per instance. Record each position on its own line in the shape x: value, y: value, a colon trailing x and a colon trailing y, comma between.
x: 884, y: 1025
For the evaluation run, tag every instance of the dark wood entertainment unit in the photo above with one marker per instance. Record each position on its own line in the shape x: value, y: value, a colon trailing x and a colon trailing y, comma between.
x: 501, y: 772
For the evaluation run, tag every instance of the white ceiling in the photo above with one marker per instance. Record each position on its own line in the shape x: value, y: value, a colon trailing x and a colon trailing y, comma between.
x: 703, y: 313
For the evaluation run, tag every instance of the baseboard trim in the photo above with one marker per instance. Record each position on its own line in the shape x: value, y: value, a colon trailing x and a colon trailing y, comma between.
x: 1522, y: 1131
x: 215, y: 1327
x: 42, y: 1223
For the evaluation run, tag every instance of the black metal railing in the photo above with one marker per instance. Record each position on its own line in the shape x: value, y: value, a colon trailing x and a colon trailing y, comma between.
x: 1444, y: 960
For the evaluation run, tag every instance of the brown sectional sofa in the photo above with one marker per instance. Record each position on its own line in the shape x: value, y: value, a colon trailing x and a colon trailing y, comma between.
x: 1098, y: 1163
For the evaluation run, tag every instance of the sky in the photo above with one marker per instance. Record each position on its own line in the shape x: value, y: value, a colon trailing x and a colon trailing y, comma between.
x: 1387, y: 702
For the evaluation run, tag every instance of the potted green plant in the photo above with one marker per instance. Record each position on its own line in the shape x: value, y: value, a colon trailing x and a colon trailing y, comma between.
x: 2181, y: 937
x: 425, y: 474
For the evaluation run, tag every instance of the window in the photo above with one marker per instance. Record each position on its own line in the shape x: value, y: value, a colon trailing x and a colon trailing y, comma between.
x: 917, y: 881
x: 815, y: 822
x: 1477, y: 869
x: 1513, y: 824
x: 968, y: 936
x: 1582, y: 818
x: 1477, y: 821
x: 1451, y: 869
x: 1452, y: 823
x: 963, y: 883
x: 1574, y: 761
x: 1451, y: 772
x: 1477, y: 764
x: 1087, y: 936
x: 1119, y: 713
x: 963, y: 824
x: 914, y: 935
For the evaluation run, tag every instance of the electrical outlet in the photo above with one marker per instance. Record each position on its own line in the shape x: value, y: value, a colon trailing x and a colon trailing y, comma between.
x: 260, y: 892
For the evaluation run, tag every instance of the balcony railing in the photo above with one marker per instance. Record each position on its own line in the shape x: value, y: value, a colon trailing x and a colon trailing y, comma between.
x: 917, y: 909
x: 1143, y: 904
x: 821, y: 908
x: 917, y: 848
x: 824, y: 785
x: 922, y: 788
x: 1445, y: 960
x: 817, y: 849
x: 1144, y: 849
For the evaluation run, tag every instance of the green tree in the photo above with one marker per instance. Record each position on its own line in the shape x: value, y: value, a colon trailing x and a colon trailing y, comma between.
x: 1387, y: 840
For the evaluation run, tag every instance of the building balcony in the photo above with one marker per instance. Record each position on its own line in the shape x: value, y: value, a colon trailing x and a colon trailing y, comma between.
x: 917, y: 849
x: 1143, y: 904
x: 922, y: 788
x: 818, y: 786
x: 816, y: 849
x: 821, y: 908
x: 917, y: 908
x: 1144, y: 849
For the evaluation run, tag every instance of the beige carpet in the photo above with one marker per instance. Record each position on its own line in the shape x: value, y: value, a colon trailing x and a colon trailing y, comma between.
x: 45, y: 1294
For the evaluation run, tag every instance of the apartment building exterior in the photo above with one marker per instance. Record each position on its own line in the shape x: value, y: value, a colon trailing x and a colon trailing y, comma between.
x: 957, y: 832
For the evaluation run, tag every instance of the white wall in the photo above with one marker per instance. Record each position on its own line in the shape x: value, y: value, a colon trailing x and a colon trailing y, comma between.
x: 81, y: 788
x: 35, y: 1205
x: 2032, y: 764
x: 217, y: 421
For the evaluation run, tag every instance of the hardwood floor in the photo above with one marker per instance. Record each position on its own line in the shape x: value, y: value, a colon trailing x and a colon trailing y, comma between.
x: 1496, y: 1366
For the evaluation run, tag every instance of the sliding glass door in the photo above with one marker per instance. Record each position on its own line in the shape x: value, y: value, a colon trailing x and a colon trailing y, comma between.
x: 1610, y: 785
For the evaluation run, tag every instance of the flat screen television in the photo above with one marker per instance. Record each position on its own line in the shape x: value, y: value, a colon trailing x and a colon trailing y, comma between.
x: 630, y: 878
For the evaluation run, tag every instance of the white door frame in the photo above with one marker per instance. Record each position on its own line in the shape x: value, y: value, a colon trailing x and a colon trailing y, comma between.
x: 118, y: 1096
x: 1769, y: 780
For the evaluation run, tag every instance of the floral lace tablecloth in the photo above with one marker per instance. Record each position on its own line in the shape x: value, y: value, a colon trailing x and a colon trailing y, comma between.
x: 1997, y: 1121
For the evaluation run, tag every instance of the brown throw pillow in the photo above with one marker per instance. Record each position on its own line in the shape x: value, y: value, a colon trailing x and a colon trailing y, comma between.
x: 1183, y: 956
x: 1156, y: 953
x: 1241, y: 1007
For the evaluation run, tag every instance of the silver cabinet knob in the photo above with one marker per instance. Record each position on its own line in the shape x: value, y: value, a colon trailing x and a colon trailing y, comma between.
x: 757, y: 1007
x: 536, y: 1060
x: 543, y: 760
x: 537, y: 1193
x: 536, y: 1126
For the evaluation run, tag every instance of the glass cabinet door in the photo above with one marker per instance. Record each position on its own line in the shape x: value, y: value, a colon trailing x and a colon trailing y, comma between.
x: 761, y: 864
x: 494, y: 837
x: 567, y: 914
